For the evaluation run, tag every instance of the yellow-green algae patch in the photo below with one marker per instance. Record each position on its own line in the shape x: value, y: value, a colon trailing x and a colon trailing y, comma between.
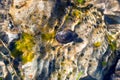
x: 80, y: 1
x: 76, y: 13
x: 79, y: 75
x: 113, y: 45
x: 48, y: 36
x: 112, y: 42
x: 23, y: 48
x: 104, y: 63
x: 97, y: 44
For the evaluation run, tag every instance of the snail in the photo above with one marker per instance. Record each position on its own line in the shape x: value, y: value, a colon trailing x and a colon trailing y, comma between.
x: 66, y: 36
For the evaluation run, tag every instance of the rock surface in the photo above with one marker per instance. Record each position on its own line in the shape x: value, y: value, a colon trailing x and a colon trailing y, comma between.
x: 88, y: 50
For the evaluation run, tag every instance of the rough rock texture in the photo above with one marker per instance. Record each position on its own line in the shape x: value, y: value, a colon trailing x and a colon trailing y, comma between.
x: 116, y: 75
x: 91, y: 55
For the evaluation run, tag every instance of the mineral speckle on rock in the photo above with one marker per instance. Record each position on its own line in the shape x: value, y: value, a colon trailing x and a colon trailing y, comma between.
x: 59, y: 39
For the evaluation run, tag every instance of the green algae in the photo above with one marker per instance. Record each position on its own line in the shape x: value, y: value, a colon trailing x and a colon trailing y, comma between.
x: 81, y: 1
x: 23, y: 48
x: 113, y: 45
x: 112, y: 42
x: 59, y: 76
x: 104, y: 63
x: 48, y: 36
x: 1, y: 78
x: 76, y: 13
x: 110, y: 38
x: 79, y: 75
x: 97, y: 44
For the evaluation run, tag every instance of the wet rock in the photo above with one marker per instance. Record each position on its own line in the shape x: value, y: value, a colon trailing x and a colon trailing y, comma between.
x: 108, y: 6
x: 116, y: 75
x: 3, y: 70
x: 90, y: 54
x: 10, y: 25
x: 12, y: 36
x: 11, y: 45
x: 115, y: 6
x: 111, y: 19
x: 4, y: 50
x: 4, y: 37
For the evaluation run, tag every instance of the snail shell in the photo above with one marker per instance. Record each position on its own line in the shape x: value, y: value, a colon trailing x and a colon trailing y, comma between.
x: 66, y: 36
